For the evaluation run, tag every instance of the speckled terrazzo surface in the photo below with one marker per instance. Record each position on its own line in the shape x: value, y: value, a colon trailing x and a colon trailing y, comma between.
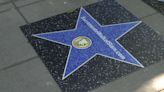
x: 159, y: 6
x: 142, y: 42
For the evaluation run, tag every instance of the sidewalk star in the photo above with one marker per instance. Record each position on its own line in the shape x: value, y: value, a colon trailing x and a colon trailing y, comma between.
x: 89, y: 38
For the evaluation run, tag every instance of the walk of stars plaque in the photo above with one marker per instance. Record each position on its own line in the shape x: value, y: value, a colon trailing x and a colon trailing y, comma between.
x: 156, y: 4
x: 93, y: 45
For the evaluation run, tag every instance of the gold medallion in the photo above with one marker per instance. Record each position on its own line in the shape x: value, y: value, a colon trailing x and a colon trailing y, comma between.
x: 81, y: 42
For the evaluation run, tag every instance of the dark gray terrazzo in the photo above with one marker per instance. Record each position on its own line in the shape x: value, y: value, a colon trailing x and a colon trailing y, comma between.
x: 159, y: 6
x: 142, y: 42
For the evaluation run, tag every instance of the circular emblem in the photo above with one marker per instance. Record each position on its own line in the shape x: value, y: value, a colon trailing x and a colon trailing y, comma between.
x: 81, y: 42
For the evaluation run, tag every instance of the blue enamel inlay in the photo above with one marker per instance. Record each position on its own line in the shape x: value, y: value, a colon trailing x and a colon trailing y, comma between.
x: 104, y: 42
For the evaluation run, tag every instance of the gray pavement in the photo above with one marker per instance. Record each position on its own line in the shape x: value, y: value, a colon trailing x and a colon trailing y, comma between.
x: 21, y: 70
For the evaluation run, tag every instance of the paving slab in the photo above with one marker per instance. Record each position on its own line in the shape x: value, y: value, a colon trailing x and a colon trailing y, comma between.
x: 22, y: 3
x: 49, y: 8
x: 31, y: 76
x: 6, y: 7
x: 156, y: 4
x: 156, y: 21
x: 13, y: 46
x: 19, y: 3
x: 143, y: 42
x: 136, y: 82
x: 4, y: 2
x: 137, y: 7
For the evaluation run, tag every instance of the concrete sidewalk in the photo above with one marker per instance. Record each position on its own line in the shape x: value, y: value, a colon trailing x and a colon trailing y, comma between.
x: 21, y: 70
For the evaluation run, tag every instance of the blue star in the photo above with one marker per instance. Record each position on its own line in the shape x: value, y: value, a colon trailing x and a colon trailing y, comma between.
x: 103, y: 40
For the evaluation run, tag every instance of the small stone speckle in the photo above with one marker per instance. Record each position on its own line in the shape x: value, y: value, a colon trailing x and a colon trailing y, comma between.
x: 65, y: 2
x: 49, y: 83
